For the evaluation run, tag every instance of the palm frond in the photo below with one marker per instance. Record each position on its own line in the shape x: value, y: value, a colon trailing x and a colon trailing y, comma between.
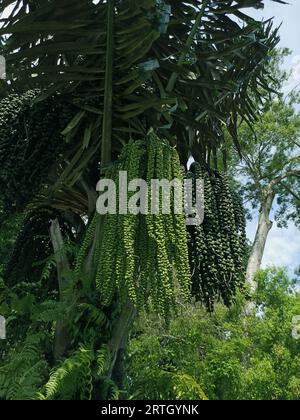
x: 167, y: 64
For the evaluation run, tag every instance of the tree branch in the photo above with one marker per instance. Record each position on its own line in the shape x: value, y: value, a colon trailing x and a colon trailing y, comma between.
x: 293, y: 159
x: 288, y: 174
x: 297, y: 197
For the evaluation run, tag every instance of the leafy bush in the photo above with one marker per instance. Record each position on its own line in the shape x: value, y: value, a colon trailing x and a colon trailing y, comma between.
x: 225, y: 355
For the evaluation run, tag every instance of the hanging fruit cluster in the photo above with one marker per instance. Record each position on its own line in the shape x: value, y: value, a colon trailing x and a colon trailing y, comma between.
x: 33, y: 246
x: 145, y: 256
x: 218, y: 246
x: 30, y: 142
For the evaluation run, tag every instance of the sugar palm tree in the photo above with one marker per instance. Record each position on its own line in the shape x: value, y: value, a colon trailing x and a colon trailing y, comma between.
x: 184, y: 68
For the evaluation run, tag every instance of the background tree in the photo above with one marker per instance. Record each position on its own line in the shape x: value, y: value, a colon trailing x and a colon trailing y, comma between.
x: 221, y: 356
x: 270, y: 171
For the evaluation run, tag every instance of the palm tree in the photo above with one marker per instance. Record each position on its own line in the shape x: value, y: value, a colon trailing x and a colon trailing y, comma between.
x: 187, y: 69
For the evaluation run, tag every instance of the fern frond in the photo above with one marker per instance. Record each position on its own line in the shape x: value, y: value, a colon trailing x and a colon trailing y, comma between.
x: 73, y: 378
x: 25, y: 371
x: 103, y: 360
x: 49, y: 311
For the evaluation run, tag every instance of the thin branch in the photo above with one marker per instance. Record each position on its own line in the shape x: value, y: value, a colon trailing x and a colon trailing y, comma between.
x: 297, y: 197
x: 293, y: 159
x: 253, y: 170
x: 288, y: 174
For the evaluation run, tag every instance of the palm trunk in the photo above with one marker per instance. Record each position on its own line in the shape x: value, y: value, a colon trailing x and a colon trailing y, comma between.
x: 62, y: 335
x: 263, y: 230
x: 119, y: 338
x: 121, y: 329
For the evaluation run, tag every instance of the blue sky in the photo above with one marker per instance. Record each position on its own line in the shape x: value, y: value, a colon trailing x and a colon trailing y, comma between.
x: 286, y: 16
x: 283, y: 247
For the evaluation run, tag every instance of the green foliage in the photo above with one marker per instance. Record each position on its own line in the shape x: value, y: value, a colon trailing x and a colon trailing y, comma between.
x: 8, y: 232
x: 73, y: 378
x: 76, y: 376
x: 185, y: 387
x: 187, y: 67
x: 32, y: 311
x: 26, y: 368
x: 230, y: 356
x: 168, y: 79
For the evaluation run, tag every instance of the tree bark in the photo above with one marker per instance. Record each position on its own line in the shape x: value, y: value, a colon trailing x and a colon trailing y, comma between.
x: 263, y: 230
x: 120, y: 335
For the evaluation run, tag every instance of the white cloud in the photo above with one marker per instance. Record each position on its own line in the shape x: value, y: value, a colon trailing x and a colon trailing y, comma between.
x: 292, y: 64
x: 283, y: 247
x: 296, y: 68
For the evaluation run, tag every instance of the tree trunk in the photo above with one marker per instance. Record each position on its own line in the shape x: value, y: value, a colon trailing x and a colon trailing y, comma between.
x: 120, y: 335
x: 62, y: 336
x: 263, y: 230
